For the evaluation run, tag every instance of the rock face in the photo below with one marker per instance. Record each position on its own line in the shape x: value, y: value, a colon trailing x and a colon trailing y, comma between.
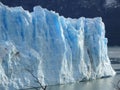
x: 47, y: 48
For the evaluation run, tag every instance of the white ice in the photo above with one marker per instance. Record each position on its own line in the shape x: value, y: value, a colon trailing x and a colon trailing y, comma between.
x: 51, y: 48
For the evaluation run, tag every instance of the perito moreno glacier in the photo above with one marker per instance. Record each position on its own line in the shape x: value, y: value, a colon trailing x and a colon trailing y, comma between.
x: 41, y: 46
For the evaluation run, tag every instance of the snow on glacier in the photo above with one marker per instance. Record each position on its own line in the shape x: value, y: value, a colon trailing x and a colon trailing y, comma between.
x: 56, y: 50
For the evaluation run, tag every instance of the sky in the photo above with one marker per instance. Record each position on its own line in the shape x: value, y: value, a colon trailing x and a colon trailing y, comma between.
x: 109, y: 10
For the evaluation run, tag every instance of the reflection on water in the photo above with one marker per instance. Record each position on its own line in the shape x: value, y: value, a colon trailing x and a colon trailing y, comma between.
x: 99, y: 84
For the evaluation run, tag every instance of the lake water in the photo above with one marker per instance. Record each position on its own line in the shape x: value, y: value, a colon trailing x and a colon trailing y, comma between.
x: 99, y: 84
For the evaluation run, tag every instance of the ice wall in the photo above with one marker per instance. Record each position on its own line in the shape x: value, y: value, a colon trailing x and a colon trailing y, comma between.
x: 50, y: 48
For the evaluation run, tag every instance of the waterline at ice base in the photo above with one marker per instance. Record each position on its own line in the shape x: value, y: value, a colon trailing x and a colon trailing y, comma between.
x: 41, y: 46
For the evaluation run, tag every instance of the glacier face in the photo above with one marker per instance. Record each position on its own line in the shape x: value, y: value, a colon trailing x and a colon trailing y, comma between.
x: 51, y: 48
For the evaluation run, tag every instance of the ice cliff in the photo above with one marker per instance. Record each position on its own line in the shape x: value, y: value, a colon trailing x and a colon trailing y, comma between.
x: 43, y: 46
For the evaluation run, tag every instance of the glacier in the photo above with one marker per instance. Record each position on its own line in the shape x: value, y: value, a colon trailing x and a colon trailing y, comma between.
x: 48, y: 47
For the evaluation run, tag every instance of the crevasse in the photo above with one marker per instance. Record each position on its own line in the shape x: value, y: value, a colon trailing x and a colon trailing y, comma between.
x: 51, y: 48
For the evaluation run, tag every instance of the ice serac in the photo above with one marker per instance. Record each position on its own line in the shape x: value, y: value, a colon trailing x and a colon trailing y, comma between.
x: 44, y: 47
